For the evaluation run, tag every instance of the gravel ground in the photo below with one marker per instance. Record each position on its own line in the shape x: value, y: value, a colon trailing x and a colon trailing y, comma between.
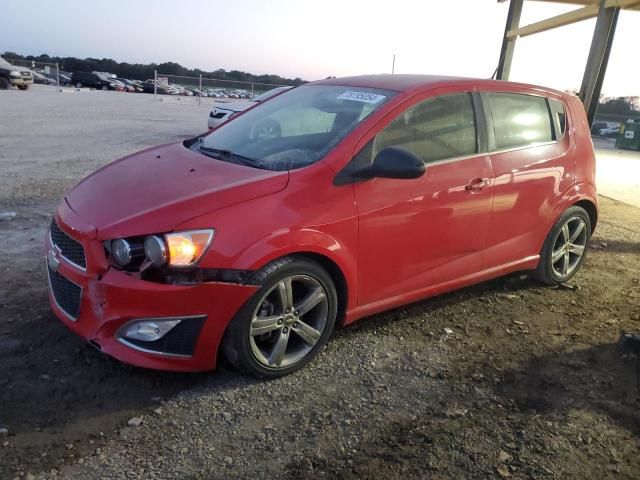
x: 506, y: 379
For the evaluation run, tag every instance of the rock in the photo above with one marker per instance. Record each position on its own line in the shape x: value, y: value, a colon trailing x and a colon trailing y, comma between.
x: 503, y: 457
x: 157, y: 411
x: 448, y: 331
x: 228, y: 460
x: 135, y: 422
x: 4, y: 432
x: 227, y: 416
x: 503, y: 471
x: 7, y: 214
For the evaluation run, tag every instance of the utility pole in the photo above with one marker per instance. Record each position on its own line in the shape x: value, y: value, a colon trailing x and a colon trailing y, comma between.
x: 393, y: 64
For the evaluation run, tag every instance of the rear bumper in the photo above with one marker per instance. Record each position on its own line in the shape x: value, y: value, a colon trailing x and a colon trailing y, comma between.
x: 110, y: 298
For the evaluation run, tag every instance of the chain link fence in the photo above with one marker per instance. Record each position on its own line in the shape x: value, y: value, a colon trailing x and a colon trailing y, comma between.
x: 198, y: 88
x: 43, y: 73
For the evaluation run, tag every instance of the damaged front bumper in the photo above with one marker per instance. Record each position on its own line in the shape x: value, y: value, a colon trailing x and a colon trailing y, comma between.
x: 108, y: 299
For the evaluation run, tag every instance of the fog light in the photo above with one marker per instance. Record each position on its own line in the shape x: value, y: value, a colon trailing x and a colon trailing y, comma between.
x: 149, y: 330
x: 155, y: 250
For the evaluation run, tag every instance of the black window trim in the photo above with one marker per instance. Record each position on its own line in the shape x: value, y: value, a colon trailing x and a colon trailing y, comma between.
x: 492, y: 150
x: 348, y: 175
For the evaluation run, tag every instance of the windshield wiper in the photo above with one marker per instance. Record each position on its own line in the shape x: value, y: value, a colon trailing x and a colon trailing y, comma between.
x: 227, y: 155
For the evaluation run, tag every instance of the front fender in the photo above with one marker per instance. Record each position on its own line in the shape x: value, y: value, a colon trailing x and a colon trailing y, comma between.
x: 305, y: 240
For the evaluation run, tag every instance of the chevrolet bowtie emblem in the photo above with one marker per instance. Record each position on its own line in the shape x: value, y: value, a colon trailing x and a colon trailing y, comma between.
x: 53, y: 262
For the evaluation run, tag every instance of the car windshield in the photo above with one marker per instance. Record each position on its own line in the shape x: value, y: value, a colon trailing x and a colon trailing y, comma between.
x: 270, y: 93
x: 294, y: 129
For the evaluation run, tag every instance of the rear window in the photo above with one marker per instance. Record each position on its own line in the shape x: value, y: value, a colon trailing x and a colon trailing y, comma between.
x: 520, y: 120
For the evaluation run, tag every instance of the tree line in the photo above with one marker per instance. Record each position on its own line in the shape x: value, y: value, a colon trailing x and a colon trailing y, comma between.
x: 139, y: 71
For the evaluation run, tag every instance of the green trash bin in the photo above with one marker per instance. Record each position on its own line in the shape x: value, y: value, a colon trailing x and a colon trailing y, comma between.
x: 629, y: 135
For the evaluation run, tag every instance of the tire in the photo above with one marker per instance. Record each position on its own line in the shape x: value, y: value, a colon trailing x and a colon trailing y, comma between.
x: 263, y: 324
x: 23, y: 87
x: 4, y: 83
x: 565, y: 248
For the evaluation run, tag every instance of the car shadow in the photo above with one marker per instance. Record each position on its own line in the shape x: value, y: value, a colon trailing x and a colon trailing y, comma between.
x: 616, y: 246
x: 598, y: 379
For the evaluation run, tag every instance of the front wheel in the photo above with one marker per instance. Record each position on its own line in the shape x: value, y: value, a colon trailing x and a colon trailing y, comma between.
x: 4, y: 83
x: 23, y: 87
x: 286, y: 323
x: 565, y: 248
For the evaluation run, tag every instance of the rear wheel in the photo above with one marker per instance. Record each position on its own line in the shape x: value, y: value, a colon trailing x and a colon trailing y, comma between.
x: 565, y: 248
x: 284, y: 325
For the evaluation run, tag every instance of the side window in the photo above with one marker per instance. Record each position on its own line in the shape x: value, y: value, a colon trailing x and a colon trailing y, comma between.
x: 559, y: 118
x: 520, y: 120
x: 435, y: 129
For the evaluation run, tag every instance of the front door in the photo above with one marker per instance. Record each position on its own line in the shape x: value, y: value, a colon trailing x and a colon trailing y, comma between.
x: 423, y: 232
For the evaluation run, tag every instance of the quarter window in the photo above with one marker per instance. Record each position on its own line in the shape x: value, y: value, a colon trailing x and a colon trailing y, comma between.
x: 435, y: 129
x: 520, y: 120
x: 559, y: 118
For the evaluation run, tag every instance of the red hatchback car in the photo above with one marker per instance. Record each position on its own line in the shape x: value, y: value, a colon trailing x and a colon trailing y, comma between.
x: 373, y: 192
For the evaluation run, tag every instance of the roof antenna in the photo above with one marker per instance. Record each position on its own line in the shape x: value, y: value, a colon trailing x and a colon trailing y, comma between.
x: 495, y: 72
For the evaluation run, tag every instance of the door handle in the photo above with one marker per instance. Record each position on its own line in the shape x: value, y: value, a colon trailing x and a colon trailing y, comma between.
x: 476, y: 184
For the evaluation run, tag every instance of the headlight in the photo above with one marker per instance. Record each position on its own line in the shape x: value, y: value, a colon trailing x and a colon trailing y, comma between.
x: 155, y: 250
x: 121, y: 251
x: 14, y: 73
x: 186, y: 248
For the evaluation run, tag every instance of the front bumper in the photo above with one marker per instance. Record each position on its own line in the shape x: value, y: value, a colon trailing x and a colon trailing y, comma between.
x: 19, y: 81
x: 110, y: 298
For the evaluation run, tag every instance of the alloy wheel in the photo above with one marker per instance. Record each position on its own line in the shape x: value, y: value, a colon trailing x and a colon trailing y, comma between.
x: 569, y: 247
x: 289, y: 321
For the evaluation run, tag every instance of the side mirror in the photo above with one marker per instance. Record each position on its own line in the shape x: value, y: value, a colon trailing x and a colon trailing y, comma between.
x: 396, y: 162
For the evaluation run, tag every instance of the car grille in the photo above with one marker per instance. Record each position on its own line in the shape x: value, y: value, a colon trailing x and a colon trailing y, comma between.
x: 26, y: 74
x: 66, y: 293
x: 70, y: 249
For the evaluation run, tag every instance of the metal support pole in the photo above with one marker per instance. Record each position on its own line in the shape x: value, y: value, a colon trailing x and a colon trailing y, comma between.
x: 199, y: 89
x: 155, y: 84
x: 598, y: 58
x: 509, y: 44
x: 393, y: 64
x: 252, y: 95
x: 58, y: 76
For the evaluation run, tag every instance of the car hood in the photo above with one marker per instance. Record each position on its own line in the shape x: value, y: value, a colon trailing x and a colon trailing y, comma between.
x: 158, y: 189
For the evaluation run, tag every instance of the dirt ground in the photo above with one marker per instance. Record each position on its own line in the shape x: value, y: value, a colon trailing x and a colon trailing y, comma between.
x: 507, y: 379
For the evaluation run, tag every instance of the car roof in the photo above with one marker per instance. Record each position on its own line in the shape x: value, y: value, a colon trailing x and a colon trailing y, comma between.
x: 404, y: 82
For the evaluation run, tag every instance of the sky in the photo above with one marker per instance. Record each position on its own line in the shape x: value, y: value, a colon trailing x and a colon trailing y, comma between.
x: 315, y: 39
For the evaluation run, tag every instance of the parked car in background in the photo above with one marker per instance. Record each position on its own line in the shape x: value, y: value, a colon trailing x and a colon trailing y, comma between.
x: 373, y: 192
x: 42, y: 79
x: 597, y: 126
x: 220, y: 114
x: 94, y: 80
x: 609, y: 131
x: 12, y: 75
x: 129, y: 85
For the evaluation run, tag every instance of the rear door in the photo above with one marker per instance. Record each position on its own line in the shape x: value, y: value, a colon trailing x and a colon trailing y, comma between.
x: 422, y: 232
x: 530, y: 153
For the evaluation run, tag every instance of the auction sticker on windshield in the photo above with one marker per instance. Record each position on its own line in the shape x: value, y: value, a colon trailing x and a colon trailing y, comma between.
x: 361, y: 97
